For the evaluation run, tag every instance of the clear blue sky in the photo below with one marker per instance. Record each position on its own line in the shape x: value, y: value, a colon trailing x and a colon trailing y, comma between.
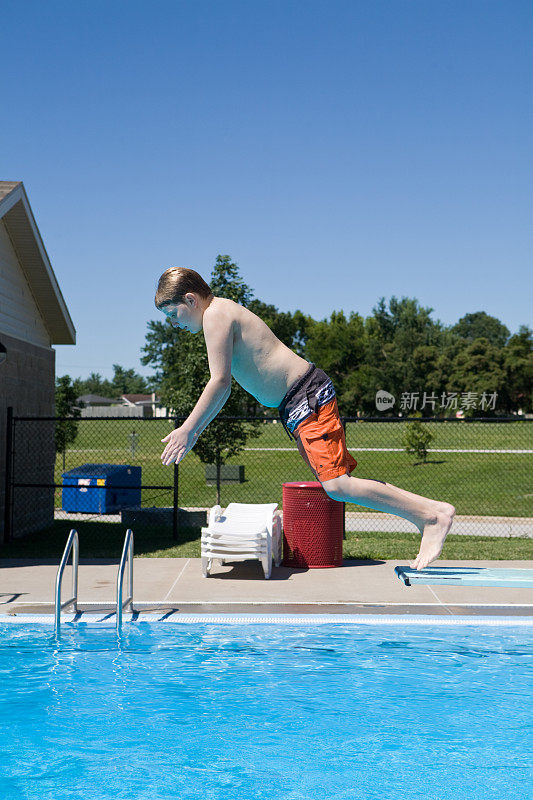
x: 338, y: 151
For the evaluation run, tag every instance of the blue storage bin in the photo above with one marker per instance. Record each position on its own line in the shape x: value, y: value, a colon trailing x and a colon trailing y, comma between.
x: 117, y: 486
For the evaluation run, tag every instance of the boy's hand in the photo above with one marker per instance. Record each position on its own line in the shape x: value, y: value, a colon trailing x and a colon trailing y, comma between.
x: 179, y: 442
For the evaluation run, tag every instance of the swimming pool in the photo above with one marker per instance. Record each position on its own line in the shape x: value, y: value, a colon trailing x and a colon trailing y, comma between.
x: 294, y: 711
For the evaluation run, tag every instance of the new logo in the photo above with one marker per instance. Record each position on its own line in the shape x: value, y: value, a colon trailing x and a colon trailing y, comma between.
x: 384, y: 400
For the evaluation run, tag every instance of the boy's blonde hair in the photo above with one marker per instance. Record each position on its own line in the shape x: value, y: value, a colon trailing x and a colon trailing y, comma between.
x: 175, y: 282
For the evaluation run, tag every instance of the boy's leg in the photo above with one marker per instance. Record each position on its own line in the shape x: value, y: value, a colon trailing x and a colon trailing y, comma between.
x: 327, y: 448
x: 431, y: 517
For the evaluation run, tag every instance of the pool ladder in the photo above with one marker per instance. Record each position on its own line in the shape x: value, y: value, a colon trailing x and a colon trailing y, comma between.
x: 125, y: 561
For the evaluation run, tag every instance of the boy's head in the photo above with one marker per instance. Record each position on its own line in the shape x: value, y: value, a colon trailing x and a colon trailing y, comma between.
x: 182, y: 294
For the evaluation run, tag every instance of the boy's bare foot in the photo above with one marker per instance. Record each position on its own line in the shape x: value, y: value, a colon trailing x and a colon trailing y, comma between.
x: 433, y: 536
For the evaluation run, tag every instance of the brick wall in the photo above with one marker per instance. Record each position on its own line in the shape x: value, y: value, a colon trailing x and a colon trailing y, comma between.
x: 27, y: 382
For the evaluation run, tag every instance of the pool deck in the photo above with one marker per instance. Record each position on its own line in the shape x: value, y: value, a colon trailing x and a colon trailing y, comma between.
x: 177, y: 584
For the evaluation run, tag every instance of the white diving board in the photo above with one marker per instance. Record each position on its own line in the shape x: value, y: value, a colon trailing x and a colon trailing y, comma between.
x: 467, y: 576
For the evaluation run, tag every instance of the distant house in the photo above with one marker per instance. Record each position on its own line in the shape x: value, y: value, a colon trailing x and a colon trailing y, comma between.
x: 149, y: 402
x: 129, y: 405
x: 33, y: 318
x: 137, y: 399
x: 87, y: 400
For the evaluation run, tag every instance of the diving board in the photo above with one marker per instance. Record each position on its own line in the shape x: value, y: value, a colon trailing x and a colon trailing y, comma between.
x: 467, y: 576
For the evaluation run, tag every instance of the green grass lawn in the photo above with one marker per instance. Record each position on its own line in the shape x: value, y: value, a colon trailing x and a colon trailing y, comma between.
x: 476, y: 483
x: 105, y: 540
x: 463, y: 435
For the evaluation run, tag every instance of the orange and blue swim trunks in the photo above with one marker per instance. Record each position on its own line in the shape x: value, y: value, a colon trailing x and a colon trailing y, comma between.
x: 310, y: 413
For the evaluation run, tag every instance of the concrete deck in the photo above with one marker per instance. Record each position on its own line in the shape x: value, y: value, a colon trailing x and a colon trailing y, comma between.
x: 177, y: 584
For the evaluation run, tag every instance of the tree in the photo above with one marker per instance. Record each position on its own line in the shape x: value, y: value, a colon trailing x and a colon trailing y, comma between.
x: 94, y: 384
x: 401, y: 351
x: 66, y: 430
x: 124, y: 381
x: 182, y: 368
x: 478, y: 368
x: 127, y: 381
x: 481, y: 325
x: 518, y: 366
x: 226, y: 282
x: 337, y: 346
x: 416, y: 439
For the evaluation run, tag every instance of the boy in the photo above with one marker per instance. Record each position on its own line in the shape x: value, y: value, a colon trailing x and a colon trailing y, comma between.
x: 241, y: 345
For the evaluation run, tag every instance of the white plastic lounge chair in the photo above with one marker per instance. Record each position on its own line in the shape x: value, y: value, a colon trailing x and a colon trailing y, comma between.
x: 242, y: 532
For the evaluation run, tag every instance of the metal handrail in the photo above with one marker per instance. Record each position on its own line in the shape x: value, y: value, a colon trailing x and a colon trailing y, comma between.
x: 72, y: 544
x: 127, y: 556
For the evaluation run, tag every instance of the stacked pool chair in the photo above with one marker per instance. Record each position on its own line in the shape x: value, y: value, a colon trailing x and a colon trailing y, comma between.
x: 244, y: 531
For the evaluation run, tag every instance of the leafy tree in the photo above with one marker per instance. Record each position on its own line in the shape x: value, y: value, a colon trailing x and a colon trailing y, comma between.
x: 66, y: 430
x: 406, y: 351
x: 227, y: 282
x: 416, y: 439
x: 481, y: 325
x: 94, y: 384
x: 337, y: 346
x: 359, y: 392
x: 127, y: 381
x: 401, y: 346
x: 478, y: 368
x: 518, y: 366
x: 303, y: 325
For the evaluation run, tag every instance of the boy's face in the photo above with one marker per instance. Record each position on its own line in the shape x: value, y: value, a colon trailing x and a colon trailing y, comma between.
x: 186, y: 316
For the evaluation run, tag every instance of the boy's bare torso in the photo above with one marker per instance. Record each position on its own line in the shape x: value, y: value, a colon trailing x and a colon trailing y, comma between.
x: 261, y: 363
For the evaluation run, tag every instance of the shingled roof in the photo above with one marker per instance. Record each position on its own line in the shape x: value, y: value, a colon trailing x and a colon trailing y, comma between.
x: 7, y: 186
x: 17, y: 216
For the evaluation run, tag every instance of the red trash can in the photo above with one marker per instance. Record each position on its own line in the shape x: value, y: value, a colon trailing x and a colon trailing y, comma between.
x: 313, y: 525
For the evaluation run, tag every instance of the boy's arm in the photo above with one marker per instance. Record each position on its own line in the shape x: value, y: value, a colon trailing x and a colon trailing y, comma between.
x: 218, y: 333
x: 209, y: 404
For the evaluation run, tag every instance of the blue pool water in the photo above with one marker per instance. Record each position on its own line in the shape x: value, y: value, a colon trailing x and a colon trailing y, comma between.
x: 299, y: 712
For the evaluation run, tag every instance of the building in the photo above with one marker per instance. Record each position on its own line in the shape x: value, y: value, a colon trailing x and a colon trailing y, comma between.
x: 33, y: 318
x: 149, y: 403
x: 87, y: 400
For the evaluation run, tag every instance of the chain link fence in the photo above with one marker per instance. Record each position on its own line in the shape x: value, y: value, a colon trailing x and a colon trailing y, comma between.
x: 482, y: 466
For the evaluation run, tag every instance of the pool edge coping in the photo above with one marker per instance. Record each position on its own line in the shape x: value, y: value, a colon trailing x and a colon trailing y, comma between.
x: 109, y: 619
